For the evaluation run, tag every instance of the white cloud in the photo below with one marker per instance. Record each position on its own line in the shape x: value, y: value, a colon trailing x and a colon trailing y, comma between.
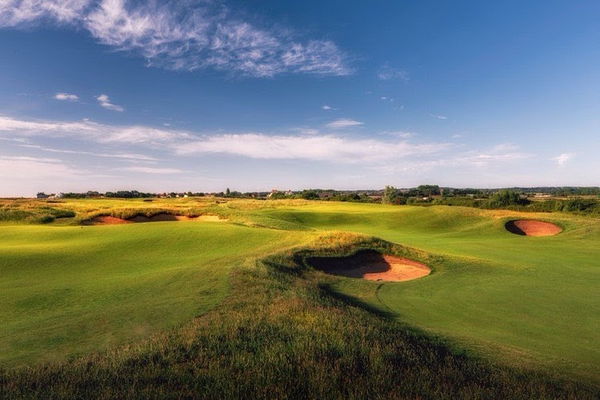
x: 399, y: 134
x: 89, y: 130
x: 184, y: 35
x: 563, y: 158
x: 437, y: 116
x: 66, y: 97
x: 124, y: 156
x: 19, y: 12
x: 387, y: 73
x: 502, y: 152
x: 456, y: 136
x: 343, y: 123
x: 316, y: 148
x: 104, y: 101
x: 306, y: 131
x: 157, y: 171
x: 327, y: 108
x: 308, y: 144
x: 36, y: 168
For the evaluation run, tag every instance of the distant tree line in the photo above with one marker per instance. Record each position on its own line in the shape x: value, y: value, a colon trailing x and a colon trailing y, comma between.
x: 584, y: 200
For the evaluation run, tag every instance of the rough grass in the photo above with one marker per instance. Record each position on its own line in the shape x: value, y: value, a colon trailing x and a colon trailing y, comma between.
x: 283, y: 334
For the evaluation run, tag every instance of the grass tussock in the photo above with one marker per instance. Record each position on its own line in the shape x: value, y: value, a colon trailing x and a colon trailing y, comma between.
x: 29, y: 213
x: 282, y: 334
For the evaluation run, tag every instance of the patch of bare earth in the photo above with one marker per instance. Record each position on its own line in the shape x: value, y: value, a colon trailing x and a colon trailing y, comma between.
x: 529, y: 227
x: 373, y: 266
x: 162, y: 217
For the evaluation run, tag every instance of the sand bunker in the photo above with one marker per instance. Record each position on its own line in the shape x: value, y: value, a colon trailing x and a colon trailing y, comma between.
x: 108, y: 220
x: 160, y: 218
x: 527, y: 227
x: 373, y: 266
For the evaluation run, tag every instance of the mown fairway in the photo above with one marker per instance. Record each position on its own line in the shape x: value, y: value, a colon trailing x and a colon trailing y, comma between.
x: 522, y: 301
x: 68, y: 290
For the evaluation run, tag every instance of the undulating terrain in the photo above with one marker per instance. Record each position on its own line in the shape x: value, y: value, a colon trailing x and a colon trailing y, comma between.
x: 90, y: 307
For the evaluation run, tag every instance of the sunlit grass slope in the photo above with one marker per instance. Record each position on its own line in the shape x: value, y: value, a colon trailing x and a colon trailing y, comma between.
x: 530, y: 301
x: 526, y: 301
x: 69, y: 290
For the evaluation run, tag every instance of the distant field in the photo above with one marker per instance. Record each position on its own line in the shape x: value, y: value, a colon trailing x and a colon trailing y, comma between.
x: 523, y: 301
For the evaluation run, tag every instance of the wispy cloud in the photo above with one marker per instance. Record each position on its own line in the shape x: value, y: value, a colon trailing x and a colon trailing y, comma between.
x: 327, y: 108
x: 437, y: 116
x: 306, y: 145
x: 184, y: 35
x: 33, y: 167
x: 343, y: 123
x: 317, y: 148
x: 104, y: 101
x: 306, y: 131
x: 89, y: 130
x: 157, y: 171
x: 124, y: 156
x: 399, y: 134
x: 501, y: 152
x: 388, y: 72
x: 66, y: 97
x: 563, y: 158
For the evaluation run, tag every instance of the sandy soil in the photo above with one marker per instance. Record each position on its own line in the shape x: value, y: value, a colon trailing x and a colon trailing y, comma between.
x: 108, y: 220
x: 210, y: 218
x: 373, y: 266
x: 526, y: 227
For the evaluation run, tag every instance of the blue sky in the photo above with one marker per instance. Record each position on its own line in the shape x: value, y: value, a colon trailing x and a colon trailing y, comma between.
x: 253, y: 95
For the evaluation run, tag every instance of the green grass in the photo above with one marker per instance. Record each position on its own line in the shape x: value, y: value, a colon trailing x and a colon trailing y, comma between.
x: 528, y: 305
x: 67, y: 291
x: 522, y: 300
x: 282, y: 333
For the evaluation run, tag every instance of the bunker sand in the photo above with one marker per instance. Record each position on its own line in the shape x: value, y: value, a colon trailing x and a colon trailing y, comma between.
x: 526, y: 227
x: 373, y: 266
x: 109, y: 220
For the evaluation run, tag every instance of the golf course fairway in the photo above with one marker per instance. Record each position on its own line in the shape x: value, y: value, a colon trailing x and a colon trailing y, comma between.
x: 528, y: 302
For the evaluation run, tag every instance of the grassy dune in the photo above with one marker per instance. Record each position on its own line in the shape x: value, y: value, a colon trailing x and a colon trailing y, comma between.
x: 529, y: 306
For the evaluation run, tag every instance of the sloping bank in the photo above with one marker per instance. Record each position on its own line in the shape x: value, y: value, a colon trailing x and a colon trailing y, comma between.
x: 283, y: 334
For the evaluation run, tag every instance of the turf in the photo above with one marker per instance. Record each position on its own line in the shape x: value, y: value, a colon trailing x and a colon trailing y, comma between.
x: 518, y: 301
x: 67, y: 291
x: 521, y: 300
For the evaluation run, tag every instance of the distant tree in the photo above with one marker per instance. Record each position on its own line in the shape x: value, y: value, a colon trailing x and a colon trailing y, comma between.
x: 390, y: 195
x: 310, y: 195
x: 504, y: 198
x: 428, y: 190
x: 227, y: 192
